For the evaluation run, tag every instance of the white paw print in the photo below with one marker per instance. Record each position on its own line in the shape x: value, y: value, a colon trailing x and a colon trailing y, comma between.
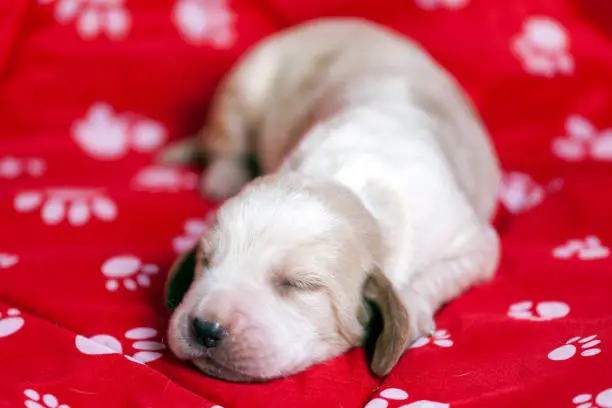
x: 160, y: 178
x: 440, y: 338
x: 8, y: 260
x: 519, y: 192
x: 209, y: 22
x: 10, y: 324
x: 543, y: 311
x: 397, y: 394
x: 146, y: 349
x: 193, y: 228
x: 586, y: 345
x: 602, y: 400
x: 13, y: 167
x: 128, y: 269
x: 94, y: 17
x: 447, y: 4
x: 106, y: 135
x: 587, y: 249
x: 543, y: 47
x: 34, y: 400
x: 74, y: 204
x: 583, y: 140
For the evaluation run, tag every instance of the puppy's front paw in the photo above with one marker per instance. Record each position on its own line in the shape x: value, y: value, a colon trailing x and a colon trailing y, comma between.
x: 224, y: 178
x: 421, y: 316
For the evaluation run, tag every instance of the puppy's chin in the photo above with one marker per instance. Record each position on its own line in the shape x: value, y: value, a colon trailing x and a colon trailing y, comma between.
x: 258, y: 372
x: 245, y: 372
x: 198, y: 357
x: 218, y: 371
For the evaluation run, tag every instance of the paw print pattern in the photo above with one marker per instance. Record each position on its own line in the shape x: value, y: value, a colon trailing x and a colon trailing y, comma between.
x: 13, y: 167
x: 93, y: 17
x: 74, y: 204
x: 208, y: 22
x: 588, y: 249
x: 399, y: 395
x: 543, y: 47
x: 193, y: 230
x: 602, y: 400
x: 8, y: 260
x: 10, y: 324
x: 35, y: 400
x: 436, y: 4
x: 394, y: 394
x: 543, y: 311
x: 586, y: 346
x: 168, y: 179
x: 128, y: 269
x: 146, y: 349
x: 106, y: 135
x: 582, y: 140
x: 519, y: 192
x: 440, y: 338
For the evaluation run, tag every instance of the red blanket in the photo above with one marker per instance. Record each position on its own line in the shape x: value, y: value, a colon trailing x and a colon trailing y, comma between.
x: 89, y: 90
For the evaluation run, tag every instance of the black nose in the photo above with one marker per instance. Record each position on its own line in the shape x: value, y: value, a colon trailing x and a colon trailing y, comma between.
x: 208, y: 334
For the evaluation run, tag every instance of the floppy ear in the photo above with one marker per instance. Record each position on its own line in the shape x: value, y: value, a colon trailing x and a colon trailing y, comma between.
x: 394, y: 337
x: 180, y: 277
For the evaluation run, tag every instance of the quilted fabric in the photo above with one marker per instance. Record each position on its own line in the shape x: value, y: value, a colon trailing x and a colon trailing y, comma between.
x: 90, y: 89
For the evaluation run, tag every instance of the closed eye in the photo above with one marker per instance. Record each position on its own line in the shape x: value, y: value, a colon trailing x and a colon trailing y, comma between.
x: 299, y: 283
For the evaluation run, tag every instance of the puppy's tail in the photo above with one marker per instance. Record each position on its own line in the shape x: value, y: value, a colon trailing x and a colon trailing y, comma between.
x: 186, y: 151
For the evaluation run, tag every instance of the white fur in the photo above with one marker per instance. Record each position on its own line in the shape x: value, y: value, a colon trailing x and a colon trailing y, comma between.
x: 390, y: 138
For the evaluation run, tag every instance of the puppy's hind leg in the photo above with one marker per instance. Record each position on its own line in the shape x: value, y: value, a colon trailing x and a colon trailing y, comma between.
x: 225, y: 174
x: 224, y: 178
x: 226, y: 140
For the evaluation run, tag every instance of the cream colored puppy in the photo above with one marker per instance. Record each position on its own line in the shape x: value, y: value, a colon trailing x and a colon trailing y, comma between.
x: 380, y: 186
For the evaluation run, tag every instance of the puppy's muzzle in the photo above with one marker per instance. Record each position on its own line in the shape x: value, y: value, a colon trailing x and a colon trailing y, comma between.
x: 207, y: 334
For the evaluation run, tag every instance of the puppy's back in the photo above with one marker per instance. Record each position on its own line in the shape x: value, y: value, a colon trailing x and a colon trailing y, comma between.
x: 299, y: 75
x: 306, y: 53
x: 304, y: 73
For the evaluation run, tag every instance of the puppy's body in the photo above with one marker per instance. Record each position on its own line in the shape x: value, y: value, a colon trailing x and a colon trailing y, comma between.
x: 389, y: 167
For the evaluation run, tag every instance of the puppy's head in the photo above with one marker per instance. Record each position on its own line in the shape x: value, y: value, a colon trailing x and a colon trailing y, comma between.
x: 284, y: 280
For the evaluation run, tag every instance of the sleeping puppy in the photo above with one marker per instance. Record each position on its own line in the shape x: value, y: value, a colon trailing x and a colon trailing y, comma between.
x: 379, y: 186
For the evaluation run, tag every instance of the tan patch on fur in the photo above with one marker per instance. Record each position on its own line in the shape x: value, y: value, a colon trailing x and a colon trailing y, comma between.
x: 342, y: 201
x: 298, y: 117
x: 226, y: 131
